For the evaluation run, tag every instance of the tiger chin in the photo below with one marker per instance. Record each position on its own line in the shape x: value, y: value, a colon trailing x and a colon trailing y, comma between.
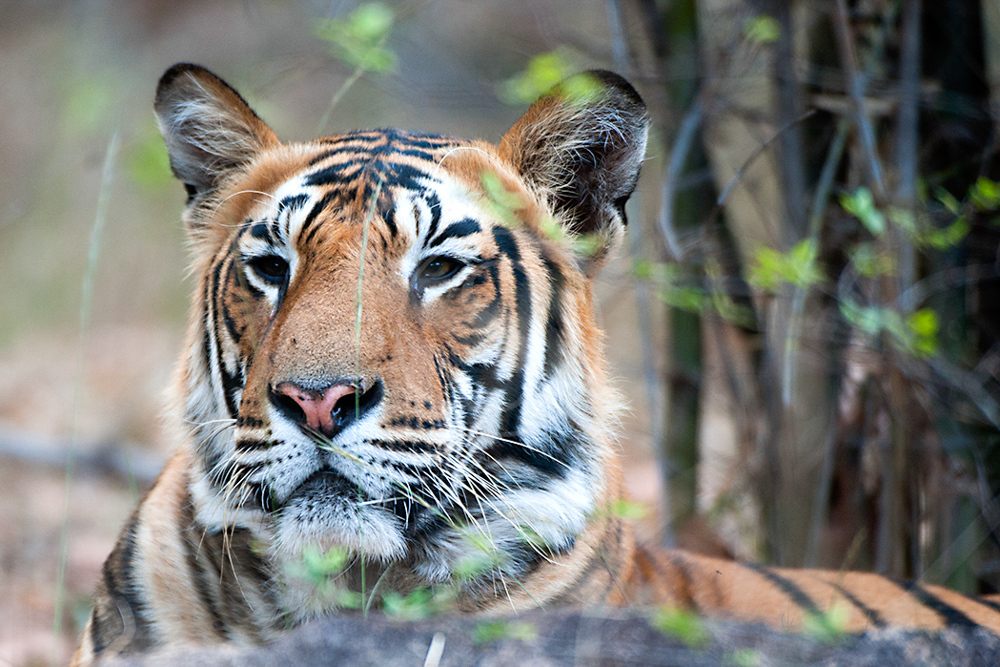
x: 393, y: 357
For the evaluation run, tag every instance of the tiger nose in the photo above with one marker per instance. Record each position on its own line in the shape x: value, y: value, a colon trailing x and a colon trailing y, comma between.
x: 328, y: 410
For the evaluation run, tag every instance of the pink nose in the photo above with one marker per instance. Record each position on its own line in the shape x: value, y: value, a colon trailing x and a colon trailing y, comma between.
x: 317, y: 404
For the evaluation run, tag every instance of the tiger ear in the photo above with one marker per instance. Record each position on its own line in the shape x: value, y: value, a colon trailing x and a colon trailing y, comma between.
x: 580, y: 146
x: 209, y: 129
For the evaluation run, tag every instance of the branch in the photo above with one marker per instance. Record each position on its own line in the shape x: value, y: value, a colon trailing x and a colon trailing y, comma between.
x: 760, y: 149
x: 856, y: 89
x: 118, y: 459
x: 678, y: 158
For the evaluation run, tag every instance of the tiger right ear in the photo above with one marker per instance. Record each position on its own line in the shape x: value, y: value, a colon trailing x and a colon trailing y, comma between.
x: 580, y: 147
x: 208, y: 128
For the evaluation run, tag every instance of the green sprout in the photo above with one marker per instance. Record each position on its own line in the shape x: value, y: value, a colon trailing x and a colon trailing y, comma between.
x: 826, y: 627
x: 798, y: 267
x: 488, y: 632
x: 917, y: 334
x: 682, y: 625
x: 762, y: 29
x: 861, y: 205
x: 418, y: 605
x: 742, y: 657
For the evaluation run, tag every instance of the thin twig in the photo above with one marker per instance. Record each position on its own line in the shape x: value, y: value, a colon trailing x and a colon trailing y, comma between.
x: 908, y: 136
x: 792, y: 164
x: 678, y: 158
x: 753, y: 156
x: 619, y: 45
x: 820, y: 199
x: 111, y: 457
x: 86, y: 303
x: 856, y: 87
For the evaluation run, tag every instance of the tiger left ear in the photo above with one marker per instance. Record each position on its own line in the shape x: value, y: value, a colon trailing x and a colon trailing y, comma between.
x: 580, y: 147
x: 209, y: 129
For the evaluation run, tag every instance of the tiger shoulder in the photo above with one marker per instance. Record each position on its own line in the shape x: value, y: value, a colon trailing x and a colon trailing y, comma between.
x: 393, y: 369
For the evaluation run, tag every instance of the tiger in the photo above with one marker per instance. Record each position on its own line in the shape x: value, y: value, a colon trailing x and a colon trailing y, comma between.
x: 393, y: 357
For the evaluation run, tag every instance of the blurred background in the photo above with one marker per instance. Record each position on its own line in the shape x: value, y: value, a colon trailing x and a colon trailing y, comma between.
x: 805, y: 318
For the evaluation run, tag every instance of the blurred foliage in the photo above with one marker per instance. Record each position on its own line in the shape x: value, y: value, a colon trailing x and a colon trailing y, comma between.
x: 762, y: 29
x: 543, y: 72
x: 828, y: 627
x: 418, y: 605
x: 146, y: 162
x: 89, y: 99
x: 487, y: 632
x: 682, y: 625
x: 798, y: 267
x: 359, y: 38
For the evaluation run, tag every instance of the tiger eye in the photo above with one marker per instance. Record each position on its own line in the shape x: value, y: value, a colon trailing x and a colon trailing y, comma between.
x: 271, y: 268
x: 440, y: 268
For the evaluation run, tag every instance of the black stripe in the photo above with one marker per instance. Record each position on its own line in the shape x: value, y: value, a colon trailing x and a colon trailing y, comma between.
x: 553, y: 323
x: 123, y: 591
x: 687, y: 591
x: 245, y: 444
x: 507, y: 245
x: 236, y: 278
x: 388, y: 213
x: 412, y: 446
x: 191, y: 538
x: 229, y: 382
x: 987, y: 603
x: 951, y: 616
x: 787, y: 586
x: 260, y: 230
x: 460, y: 229
x: 434, y: 205
x: 292, y: 202
x: 335, y: 173
x: 311, y: 217
x: 871, y: 614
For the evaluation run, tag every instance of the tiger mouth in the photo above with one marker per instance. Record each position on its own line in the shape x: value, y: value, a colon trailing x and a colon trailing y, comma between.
x: 322, y: 486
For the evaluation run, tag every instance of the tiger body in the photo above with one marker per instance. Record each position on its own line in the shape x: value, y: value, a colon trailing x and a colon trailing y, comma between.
x: 393, y: 353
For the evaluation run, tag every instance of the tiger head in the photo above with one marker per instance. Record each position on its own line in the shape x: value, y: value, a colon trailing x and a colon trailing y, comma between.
x: 392, y: 343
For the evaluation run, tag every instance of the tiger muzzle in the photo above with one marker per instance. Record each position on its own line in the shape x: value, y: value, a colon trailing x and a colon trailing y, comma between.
x: 327, y: 410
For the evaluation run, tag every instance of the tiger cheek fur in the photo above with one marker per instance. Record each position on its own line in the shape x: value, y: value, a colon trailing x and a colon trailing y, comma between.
x: 393, y: 354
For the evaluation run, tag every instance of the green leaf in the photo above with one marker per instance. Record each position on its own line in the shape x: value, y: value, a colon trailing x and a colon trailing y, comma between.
x: 681, y: 624
x: 543, y: 72
x: 985, y: 194
x: 862, y: 206
x: 949, y: 201
x: 488, y: 632
x: 630, y: 511
x: 870, y: 262
x: 742, y: 657
x: 798, y: 267
x: 501, y: 201
x: 359, y: 38
x: 946, y: 238
x: 916, y: 335
x: 417, y: 605
x: 924, y: 326
x: 827, y: 627
x: 904, y: 219
x: 762, y: 29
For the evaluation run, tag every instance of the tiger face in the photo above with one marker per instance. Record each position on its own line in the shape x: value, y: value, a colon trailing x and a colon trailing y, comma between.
x: 392, y: 346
